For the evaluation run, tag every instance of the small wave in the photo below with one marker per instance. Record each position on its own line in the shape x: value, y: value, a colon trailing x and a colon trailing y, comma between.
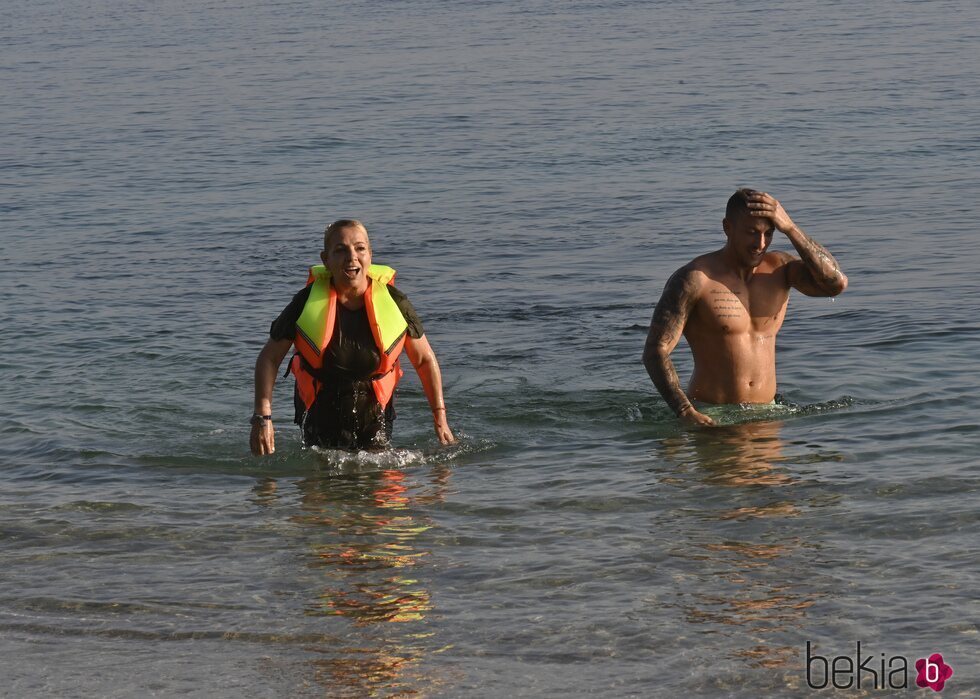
x: 841, y: 403
x: 780, y: 409
x: 345, y: 462
x: 99, y: 506
x: 42, y: 629
x: 308, y: 144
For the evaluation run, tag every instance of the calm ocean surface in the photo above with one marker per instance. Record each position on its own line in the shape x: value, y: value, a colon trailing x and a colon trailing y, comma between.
x: 535, y: 171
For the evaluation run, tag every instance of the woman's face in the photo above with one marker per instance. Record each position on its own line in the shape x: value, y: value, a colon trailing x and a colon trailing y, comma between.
x: 348, y: 257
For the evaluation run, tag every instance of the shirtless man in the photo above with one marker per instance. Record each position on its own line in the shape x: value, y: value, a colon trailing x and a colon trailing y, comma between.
x: 730, y: 304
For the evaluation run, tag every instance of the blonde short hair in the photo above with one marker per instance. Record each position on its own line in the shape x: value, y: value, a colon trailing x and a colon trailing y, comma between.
x: 339, y: 225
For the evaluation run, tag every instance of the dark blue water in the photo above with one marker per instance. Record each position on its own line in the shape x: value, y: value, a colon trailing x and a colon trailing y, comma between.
x: 535, y: 172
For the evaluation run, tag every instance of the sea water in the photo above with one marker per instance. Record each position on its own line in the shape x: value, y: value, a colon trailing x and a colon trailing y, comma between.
x: 534, y: 171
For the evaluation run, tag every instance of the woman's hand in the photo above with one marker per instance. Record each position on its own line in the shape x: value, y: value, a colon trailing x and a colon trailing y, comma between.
x: 441, y: 425
x: 262, y: 440
x: 427, y: 367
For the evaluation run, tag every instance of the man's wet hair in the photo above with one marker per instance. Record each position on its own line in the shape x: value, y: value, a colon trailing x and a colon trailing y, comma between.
x: 738, y: 203
x: 339, y: 225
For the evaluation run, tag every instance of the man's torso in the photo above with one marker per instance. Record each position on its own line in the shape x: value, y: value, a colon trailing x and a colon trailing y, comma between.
x: 732, y: 330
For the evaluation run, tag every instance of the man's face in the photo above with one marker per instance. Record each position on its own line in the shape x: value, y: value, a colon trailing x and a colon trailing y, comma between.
x: 749, y: 237
x: 348, y: 256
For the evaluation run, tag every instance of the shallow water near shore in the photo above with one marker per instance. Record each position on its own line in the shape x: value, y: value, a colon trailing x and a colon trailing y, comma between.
x: 535, y: 173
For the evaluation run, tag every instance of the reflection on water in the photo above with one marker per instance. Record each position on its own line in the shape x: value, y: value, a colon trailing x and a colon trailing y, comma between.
x: 749, y: 577
x: 735, y: 455
x: 366, y: 530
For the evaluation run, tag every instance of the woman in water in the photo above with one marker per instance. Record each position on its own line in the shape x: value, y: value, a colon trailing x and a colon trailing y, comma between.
x: 349, y: 326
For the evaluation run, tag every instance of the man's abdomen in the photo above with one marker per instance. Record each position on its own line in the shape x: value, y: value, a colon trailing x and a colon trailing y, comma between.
x: 734, y: 369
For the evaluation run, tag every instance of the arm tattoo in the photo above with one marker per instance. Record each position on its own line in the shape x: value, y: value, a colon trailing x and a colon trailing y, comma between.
x: 818, y: 260
x: 666, y: 328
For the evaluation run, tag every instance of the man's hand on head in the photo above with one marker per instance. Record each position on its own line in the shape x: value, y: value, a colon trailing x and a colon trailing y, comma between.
x: 766, y: 206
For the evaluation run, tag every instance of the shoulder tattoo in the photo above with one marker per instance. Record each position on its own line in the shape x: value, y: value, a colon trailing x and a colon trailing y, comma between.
x: 675, y: 303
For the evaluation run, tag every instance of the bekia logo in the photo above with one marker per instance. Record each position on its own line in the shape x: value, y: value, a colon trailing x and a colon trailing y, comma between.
x: 933, y: 672
x: 873, y: 672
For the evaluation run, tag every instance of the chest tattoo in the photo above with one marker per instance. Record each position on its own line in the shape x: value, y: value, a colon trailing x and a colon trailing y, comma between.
x: 726, y: 304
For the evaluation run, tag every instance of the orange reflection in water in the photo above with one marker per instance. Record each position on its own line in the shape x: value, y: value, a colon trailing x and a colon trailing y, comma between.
x: 369, y: 530
x: 744, y: 576
x: 395, y: 598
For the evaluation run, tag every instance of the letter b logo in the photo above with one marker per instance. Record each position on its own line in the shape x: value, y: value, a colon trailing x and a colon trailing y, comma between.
x: 933, y: 672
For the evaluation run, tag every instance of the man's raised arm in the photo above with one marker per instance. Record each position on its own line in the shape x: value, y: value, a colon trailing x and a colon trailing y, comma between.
x: 816, y: 273
x: 666, y: 328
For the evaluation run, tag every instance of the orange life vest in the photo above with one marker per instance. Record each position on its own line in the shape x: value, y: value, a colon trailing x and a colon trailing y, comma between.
x: 315, y: 325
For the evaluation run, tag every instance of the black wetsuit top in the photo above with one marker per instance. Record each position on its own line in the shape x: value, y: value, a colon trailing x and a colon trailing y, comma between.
x: 345, y: 414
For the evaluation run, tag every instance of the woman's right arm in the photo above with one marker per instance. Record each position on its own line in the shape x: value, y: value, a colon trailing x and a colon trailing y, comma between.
x: 262, y: 438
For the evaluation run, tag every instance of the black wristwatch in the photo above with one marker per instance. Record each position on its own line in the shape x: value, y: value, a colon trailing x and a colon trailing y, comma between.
x: 259, y: 419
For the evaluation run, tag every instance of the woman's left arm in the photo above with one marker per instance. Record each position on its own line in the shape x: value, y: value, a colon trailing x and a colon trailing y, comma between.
x: 424, y: 360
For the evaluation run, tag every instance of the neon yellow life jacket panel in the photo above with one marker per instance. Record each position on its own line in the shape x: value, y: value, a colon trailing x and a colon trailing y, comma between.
x: 314, y: 328
x: 386, y: 320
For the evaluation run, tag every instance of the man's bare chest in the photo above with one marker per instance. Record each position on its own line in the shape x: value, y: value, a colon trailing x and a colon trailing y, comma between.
x: 740, y: 309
